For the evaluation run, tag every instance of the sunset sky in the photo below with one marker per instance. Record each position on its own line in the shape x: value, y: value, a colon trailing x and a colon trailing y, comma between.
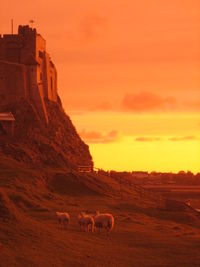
x: 128, y: 76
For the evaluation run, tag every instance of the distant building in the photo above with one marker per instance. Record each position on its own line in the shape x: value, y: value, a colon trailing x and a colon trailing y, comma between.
x: 7, y: 121
x: 26, y: 70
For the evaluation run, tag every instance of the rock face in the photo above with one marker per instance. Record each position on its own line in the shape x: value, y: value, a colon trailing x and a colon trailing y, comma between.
x: 55, y: 145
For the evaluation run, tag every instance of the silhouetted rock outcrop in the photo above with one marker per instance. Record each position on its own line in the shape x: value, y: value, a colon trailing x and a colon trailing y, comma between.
x: 56, y: 144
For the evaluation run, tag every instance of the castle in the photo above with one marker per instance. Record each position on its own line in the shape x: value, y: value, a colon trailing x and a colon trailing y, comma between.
x: 26, y: 70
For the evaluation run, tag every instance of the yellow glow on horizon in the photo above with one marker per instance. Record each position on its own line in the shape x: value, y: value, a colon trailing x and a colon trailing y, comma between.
x: 131, y: 155
x: 172, y: 140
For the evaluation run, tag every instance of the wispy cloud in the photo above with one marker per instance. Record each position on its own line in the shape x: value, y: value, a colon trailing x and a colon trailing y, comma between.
x: 143, y: 102
x: 174, y: 139
x: 147, y: 101
x: 98, y: 137
x: 147, y: 139
x: 184, y: 138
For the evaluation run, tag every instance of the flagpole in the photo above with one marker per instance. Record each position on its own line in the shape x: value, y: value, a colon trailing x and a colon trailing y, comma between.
x: 12, y: 26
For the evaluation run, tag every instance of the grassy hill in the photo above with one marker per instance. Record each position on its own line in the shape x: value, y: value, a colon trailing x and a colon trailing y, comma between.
x: 30, y: 235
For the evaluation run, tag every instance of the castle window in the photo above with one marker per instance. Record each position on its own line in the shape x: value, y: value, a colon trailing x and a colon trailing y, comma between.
x: 40, y: 54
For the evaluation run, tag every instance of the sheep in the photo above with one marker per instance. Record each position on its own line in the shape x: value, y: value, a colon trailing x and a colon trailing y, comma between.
x: 86, y: 222
x: 63, y: 218
x: 104, y: 220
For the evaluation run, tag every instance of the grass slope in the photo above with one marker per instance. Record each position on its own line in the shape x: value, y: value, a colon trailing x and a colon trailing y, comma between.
x: 30, y: 235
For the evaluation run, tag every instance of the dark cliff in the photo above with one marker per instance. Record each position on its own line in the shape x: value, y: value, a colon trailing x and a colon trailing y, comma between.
x: 55, y: 145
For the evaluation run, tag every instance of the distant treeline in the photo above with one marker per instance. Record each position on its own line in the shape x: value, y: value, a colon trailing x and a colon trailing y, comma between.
x: 187, y: 178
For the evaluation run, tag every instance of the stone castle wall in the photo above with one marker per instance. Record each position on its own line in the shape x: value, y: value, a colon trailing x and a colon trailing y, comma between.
x: 13, y: 82
x: 26, y: 70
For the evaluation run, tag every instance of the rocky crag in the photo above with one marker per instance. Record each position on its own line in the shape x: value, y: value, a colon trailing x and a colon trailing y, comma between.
x: 56, y: 144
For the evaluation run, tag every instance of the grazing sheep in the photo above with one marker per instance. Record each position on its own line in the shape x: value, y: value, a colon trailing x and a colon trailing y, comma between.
x: 86, y: 222
x: 63, y: 218
x: 104, y: 220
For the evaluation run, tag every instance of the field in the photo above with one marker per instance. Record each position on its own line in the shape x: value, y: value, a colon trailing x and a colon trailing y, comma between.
x: 185, y: 193
x: 143, y: 235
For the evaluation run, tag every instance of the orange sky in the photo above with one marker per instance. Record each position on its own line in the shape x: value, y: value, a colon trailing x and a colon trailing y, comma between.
x: 125, y: 69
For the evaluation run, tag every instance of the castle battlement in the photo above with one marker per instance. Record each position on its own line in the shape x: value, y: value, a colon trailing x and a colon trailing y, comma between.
x: 33, y: 76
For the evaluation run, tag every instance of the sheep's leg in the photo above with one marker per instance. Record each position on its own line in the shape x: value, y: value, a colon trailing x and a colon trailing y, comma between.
x: 91, y: 228
x: 59, y: 224
x: 65, y: 223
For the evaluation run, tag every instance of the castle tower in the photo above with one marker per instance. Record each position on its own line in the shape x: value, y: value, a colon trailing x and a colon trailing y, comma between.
x: 26, y: 70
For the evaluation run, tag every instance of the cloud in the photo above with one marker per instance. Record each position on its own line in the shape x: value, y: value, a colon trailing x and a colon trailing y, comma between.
x: 184, y: 138
x: 92, y: 26
x: 98, y: 137
x: 147, y: 101
x: 147, y: 139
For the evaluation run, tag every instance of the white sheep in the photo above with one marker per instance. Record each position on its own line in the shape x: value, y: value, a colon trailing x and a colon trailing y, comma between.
x: 63, y: 218
x: 104, y: 220
x: 86, y: 222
